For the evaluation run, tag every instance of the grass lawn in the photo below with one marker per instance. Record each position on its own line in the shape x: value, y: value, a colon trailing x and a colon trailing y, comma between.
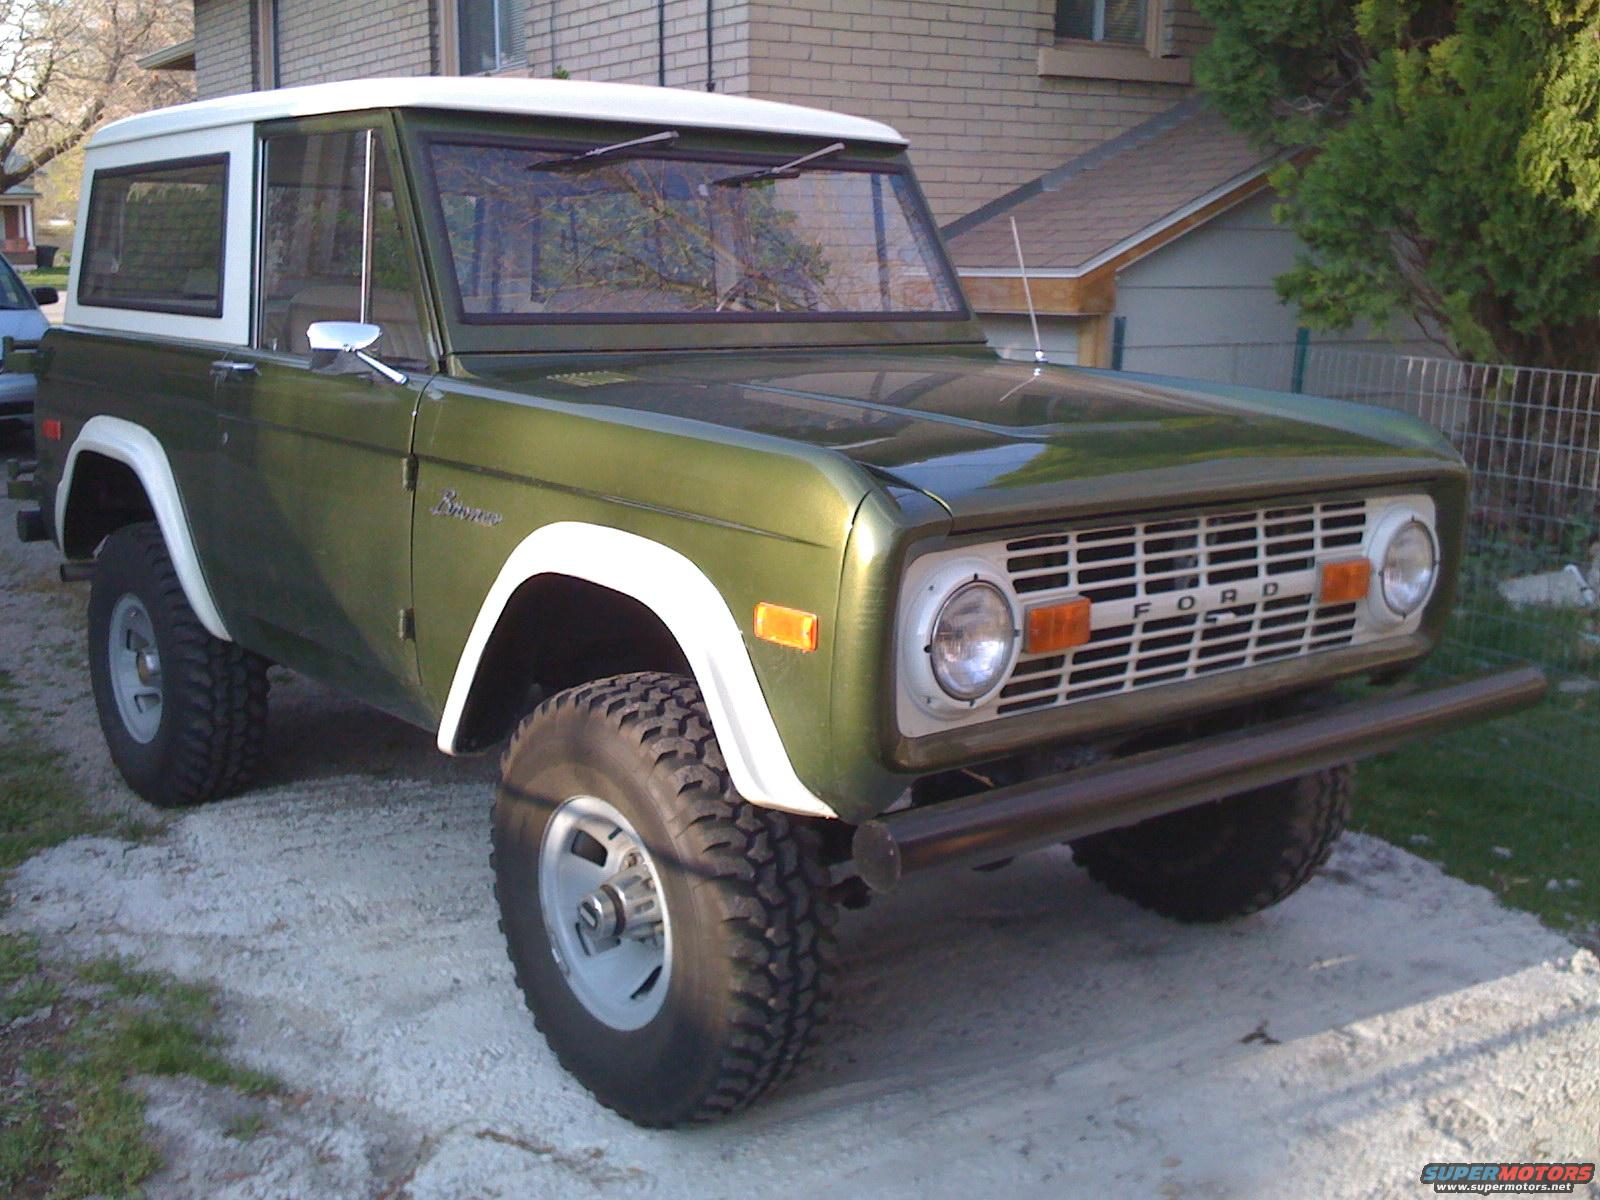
x: 1513, y: 805
x: 56, y: 277
x: 70, y: 1124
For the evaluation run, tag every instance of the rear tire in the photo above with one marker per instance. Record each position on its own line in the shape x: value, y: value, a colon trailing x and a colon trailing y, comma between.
x: 631, y: 765
x: 1229, y: 858
x: 183, y: 712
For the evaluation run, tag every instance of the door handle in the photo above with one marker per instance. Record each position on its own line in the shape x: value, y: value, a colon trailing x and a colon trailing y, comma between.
x: 225, y: 369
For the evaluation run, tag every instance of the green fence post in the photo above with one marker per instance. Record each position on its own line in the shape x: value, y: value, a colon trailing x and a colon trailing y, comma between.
x: 1302, y: 343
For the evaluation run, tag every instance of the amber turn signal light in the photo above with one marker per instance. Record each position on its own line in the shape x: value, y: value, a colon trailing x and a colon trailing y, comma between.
x: 1053, y: 627
x: 1345, y: 582
x: 790, y: 627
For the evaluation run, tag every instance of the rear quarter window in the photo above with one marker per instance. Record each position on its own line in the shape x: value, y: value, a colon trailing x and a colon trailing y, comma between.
x: 155, y: 237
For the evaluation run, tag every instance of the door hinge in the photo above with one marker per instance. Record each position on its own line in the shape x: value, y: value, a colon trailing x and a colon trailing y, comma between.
x: 407, y: 627
x: 408, y: 473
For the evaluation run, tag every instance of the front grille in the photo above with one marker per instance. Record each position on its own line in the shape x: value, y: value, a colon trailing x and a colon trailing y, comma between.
x: 1182, y: 597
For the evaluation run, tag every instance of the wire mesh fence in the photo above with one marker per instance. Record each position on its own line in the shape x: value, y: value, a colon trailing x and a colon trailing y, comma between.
x: 1529, y: 581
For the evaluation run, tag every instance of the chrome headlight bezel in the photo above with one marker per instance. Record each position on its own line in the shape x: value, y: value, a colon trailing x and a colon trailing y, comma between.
x: 936, y: 594
x: 1383, y: 602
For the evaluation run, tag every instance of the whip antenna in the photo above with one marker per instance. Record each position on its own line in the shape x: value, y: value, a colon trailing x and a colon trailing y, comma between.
x: 1027, y: 291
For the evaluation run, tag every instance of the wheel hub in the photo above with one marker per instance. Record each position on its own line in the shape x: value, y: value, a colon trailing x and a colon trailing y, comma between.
x: 604, y: 912
x: 135, y: 672
x: 626, y: 905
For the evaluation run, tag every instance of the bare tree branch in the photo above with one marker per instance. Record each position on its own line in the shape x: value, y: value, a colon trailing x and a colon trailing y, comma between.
x: 66, y: 66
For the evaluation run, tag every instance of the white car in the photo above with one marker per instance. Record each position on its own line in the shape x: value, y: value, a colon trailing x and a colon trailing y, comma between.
x: 20, y: 320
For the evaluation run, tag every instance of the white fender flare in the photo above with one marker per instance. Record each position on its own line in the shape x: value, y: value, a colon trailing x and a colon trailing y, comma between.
x: 137, y: 448
x: 695, y: 613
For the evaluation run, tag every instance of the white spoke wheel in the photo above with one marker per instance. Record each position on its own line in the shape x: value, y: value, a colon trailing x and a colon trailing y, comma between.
x: 183, y: 712
x: 609, y: 930
x: 671, y: 940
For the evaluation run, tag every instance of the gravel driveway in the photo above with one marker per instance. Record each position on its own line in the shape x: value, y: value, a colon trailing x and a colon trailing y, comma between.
x: 1014, y: 1033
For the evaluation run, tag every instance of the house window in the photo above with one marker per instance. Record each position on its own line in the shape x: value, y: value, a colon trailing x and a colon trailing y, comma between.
x: 491, y: 35
x: 1123, y: 22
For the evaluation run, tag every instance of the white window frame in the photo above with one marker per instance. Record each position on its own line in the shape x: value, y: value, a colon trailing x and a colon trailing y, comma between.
x: 232, y: 327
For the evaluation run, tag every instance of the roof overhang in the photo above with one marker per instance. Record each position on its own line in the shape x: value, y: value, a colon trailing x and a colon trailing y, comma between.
x: 177, y: 57
x: 1090, y: 288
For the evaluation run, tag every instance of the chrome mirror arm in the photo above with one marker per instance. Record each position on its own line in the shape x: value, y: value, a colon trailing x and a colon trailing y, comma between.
x: 382, y: 368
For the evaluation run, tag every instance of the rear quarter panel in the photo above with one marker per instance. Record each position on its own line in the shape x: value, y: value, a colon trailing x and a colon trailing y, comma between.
x: 161, y: 384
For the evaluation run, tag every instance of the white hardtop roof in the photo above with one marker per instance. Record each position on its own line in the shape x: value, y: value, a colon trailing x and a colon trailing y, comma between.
x: 570, y: 98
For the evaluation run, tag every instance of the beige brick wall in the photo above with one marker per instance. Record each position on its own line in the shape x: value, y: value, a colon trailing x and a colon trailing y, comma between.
x: 222, y: 62
x: 322, y: 41
x: 960, y: 80
x: 1188, y: 32
x: 617, y: 40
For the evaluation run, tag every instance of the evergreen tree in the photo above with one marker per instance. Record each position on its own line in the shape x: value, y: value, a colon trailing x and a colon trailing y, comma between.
x: 1452, y: 165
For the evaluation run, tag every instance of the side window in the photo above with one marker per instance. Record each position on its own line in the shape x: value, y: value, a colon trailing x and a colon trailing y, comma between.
x: 318, y: 261
x: 155, y: 238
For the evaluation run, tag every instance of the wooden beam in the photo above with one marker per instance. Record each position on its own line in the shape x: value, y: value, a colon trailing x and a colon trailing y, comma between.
x: 1054, y: 296
x: 1094, y: 341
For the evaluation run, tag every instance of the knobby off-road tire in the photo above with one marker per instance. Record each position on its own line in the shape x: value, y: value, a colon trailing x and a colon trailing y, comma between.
x: 202, y: 738
x: 1226, y: 859
x: 745, y: 900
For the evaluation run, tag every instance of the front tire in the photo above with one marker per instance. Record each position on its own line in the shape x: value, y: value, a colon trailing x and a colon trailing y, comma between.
x: 183, y: 712
x: 1228, y: 858
x: 681, y: 973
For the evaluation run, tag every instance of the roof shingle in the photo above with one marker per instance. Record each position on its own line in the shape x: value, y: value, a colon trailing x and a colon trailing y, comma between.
x: 1131, y: 184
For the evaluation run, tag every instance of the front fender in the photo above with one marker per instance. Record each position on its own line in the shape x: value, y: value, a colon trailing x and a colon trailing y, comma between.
x: 692, y: 609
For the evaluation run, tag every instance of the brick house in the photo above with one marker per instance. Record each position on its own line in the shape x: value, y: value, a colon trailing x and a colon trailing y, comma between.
x: 1077, y: 117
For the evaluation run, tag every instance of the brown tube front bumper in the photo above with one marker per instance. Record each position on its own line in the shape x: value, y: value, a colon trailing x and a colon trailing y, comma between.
x: 1028, y: 816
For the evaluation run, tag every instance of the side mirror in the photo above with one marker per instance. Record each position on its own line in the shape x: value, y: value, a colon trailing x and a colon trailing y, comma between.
x: 45, y: 295
x: 331, y: 338
x: 342, y: 337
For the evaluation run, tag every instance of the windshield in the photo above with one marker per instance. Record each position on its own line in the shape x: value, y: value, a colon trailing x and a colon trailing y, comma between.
x: 12, y: 293
x: 535, y: 238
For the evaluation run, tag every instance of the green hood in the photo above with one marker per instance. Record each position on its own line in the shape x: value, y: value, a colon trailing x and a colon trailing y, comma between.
x: 987, y: 438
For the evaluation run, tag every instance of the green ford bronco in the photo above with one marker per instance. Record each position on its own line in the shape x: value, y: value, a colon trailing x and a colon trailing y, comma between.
x: 647, y: 435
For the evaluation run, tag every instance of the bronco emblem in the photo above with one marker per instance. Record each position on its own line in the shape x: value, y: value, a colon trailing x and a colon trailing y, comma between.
x: 450, y: 506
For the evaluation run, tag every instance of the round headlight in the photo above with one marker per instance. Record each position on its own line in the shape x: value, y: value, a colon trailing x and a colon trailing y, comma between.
x: 1409, y: 567
x: 971, y: 643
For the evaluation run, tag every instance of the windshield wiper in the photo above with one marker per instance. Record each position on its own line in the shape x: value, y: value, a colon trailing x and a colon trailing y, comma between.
x: 601, y: 154
x: 788, y: 170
